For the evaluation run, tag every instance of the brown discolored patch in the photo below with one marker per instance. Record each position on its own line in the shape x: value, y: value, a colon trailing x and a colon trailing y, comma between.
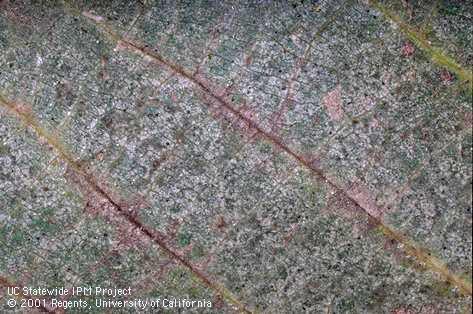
x: 157, y: 163
x: 332, y: 102
x: 220, y: 224
x: 103, y: 73
x: 248, y: 59
x: 96, y: 204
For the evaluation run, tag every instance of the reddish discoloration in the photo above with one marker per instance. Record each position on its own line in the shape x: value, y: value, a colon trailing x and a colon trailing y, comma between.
x: 218, y: 302
x: 340, y: 205
x: 315, y: 160
x: 352, y: 204
x: 407, y: 49
x: 368, y: 103
x: 364, y: 198
x: 128, y: 235
x: 23, y: 109
x: 174, y: 98
x: 374, y: 123
x: 243, y: 125
x: 220, y: 224
x: 333, y: 104
x: 446, y: 77
x: 355, y: 198
x: 95, y: 18
x: 124, y: 46
x: 239, y: 123
x: 115, y: 212
x: 14, y: 11
x: 343, y: 207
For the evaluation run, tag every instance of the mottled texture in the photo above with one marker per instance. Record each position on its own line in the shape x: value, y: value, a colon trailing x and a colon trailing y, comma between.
x: 269, y: 156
